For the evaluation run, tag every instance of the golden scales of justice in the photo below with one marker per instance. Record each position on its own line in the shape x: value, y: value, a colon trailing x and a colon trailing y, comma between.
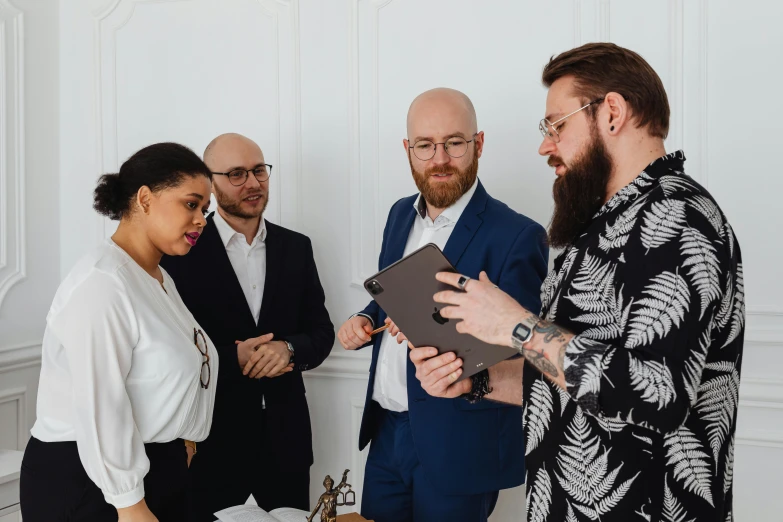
x: 334, y: 497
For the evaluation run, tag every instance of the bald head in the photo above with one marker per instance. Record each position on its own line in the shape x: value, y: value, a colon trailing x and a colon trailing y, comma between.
x: 232, y: 150
x: 440, y: 108
x: 243, y: 196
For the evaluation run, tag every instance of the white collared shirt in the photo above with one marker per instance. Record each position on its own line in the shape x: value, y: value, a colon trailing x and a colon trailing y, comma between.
x: 119, y: 368
x: 391, y: 388
x: 248, y: 261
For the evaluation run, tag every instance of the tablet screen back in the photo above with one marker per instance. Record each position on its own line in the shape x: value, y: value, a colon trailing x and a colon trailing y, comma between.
x: 405, y: 289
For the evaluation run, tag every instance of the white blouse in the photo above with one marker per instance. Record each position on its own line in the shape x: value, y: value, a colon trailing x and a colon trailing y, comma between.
x: 120, y: 369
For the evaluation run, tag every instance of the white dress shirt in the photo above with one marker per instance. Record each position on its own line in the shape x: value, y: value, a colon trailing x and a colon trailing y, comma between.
x: 249, y: 261
x: 391, y: 388
x: 119, y: 369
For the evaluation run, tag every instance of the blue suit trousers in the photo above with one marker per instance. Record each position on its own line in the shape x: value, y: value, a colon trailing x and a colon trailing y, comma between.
x: 396, y: 488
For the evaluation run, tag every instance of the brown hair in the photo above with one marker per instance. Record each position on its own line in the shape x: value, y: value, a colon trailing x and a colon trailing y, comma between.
x: 600, y: 68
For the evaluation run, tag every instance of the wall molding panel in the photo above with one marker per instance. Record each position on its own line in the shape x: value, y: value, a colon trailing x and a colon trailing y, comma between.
x: 13, y: 238
x: 18, y: 397
x: 688, y: 94
x: 287, y: 80
x: 758, y: 392
x: 591, y: 21
x: 366, y: 217
x: 764, y: 326
x: 20, y: 356
x: 342, y: 364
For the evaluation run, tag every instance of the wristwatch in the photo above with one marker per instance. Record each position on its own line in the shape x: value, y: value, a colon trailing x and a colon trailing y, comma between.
x: 290, y: 350
x: 522, y: 334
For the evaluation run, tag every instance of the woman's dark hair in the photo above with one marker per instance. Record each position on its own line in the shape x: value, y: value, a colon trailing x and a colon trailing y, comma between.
x: 159, y: 166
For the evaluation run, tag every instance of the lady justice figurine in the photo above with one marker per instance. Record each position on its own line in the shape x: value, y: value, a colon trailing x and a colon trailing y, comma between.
x: 329, y: 499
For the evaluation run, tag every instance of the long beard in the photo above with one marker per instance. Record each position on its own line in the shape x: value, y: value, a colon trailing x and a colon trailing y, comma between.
x: 445, y: 194
x: 579, y: 193
x: 233, y: 206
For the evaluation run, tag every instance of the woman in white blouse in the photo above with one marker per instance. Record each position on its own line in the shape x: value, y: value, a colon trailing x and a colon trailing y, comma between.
x: 127, y: 375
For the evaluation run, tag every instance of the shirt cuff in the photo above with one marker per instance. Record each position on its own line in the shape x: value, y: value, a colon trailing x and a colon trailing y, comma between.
x: 364, y: 315
x: 127, y: 499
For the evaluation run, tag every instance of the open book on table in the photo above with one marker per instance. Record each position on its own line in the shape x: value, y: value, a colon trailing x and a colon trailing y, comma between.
x: 249, y: 513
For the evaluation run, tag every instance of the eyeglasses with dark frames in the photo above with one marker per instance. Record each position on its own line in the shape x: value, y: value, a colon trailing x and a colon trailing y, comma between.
x: 238, y: 177
x: 200, y: 340
x: 456, y: 147
x: 549, y: 129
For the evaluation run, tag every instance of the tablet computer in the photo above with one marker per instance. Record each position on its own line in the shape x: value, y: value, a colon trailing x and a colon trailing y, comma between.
x: 405, y: 291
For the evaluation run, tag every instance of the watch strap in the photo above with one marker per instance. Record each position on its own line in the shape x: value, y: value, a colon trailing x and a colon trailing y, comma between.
x: 290, y: 350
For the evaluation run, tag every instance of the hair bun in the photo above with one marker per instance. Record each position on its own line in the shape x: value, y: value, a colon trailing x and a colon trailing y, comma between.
x: 109, y: 197
x: 157, y: 167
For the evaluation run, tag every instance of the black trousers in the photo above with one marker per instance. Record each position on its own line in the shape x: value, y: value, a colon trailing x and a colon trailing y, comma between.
x: 55, y: 488
x: 228, y: 469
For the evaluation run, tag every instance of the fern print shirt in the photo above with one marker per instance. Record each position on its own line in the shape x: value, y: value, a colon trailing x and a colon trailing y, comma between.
x: 653, y: 291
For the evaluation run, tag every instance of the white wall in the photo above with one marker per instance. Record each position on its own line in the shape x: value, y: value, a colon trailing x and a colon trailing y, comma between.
x: 323, y: 86
x: 29, y: 214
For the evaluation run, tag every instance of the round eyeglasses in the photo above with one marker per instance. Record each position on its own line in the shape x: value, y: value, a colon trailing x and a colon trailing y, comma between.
x: 549, y: 128
x: 238, y: 177
x: 200, y: 340
x: 456, y: 147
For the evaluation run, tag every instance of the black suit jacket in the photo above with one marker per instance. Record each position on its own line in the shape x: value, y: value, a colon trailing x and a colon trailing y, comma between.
x: 292, y: 308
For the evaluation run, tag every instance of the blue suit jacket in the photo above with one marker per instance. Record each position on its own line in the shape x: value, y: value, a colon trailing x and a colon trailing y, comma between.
x: 467, y: 449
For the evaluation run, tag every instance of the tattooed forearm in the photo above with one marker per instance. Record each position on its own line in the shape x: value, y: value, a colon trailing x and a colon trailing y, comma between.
x: 540, y: 362
x: 561, y: 356
x: 551, y: 332
x: 546, y: 350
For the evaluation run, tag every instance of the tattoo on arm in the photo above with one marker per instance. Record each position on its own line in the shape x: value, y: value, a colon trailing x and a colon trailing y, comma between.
x: 551, y: 334
x: 540, y: 362
x: 561, y: 356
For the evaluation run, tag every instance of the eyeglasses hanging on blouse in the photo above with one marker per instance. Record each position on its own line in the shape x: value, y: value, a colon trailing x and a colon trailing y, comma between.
x: 200, y: 340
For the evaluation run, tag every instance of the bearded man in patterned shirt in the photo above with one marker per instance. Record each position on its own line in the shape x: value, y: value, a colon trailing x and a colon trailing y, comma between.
x: 630, y: 376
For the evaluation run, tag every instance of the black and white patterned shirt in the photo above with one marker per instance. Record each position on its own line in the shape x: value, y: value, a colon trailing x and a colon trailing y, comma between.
x: 654, y: 292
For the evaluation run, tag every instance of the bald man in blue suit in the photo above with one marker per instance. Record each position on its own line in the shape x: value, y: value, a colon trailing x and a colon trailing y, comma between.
x: 435, y: 459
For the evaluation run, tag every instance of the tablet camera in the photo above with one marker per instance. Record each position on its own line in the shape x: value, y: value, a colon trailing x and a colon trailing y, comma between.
x: 374, y: 287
